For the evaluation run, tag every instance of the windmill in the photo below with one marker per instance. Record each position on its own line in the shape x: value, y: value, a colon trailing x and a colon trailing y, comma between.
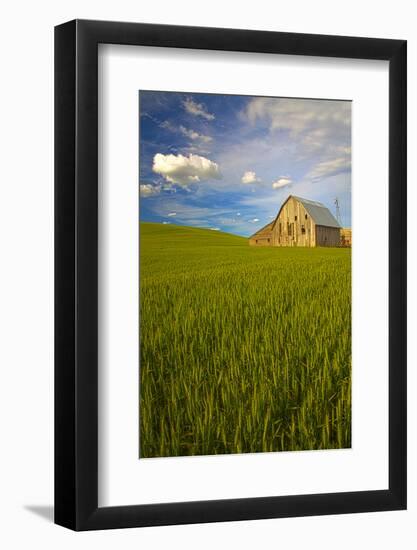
x: 338, y: 217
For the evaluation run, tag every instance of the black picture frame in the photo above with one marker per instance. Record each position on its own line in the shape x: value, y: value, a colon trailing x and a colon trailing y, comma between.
x: 76, y: 272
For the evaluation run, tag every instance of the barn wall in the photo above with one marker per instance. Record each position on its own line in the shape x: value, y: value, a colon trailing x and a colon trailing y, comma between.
x: 261, y: 241
x: 327, y: 236
x: 294, y: 226
x: 263, y: 237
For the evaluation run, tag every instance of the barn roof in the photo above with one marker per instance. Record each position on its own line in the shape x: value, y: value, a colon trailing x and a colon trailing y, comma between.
x: 319, y: 213
x: 265, y: 230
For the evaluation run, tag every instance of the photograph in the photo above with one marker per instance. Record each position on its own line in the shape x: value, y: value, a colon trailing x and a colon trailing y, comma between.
x: 245, y: 274
x: 208, y: 331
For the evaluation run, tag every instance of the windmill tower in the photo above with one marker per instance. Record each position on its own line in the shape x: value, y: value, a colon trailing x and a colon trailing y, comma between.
x: 338, y: 217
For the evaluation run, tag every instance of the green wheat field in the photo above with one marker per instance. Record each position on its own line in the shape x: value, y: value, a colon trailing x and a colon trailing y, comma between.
x: 242, y: 349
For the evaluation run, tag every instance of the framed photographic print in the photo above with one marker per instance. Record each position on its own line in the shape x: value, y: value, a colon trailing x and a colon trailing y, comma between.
x: 230, y: 275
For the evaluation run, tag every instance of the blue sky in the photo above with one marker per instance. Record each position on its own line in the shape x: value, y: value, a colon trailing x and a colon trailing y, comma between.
x: 228, y: 162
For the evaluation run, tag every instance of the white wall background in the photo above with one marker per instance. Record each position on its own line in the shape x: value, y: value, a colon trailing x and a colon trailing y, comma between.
x: 26, y: 288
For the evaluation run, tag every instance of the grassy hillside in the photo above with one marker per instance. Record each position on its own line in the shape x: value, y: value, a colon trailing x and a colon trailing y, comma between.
x: 243, y: 349
x: 179, y: 235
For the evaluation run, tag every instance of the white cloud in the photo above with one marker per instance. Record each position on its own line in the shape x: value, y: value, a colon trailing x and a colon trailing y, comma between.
x: 303, y: 128
x: 238, y: 214
x: 187, y: 132
x: 192, y: 134
x: 215, y: 228
x: 185, y: 170
x: 168, y: 188
x: 168, y: 126
x: 282, y: 181
x: 170, y: 214
x: 195, y: 149
x: 166, y: 223
x: 254, y: 220
x: 250, y: 177
x: 197, y: 109
x: 329, y: 168
x: 148, y: 190
x: 298, y: 115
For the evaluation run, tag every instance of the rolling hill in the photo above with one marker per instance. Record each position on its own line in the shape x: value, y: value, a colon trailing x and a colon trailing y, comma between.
x: 242, y: 349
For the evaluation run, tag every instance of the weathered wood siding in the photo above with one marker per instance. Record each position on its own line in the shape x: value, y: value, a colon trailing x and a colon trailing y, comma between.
x: 294, y: 226
x: 327, y: 236
x: 263, y: 237
x: 261, y: 241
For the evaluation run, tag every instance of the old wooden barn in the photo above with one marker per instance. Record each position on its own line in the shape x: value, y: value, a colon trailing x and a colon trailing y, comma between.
x: 300, y: 222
